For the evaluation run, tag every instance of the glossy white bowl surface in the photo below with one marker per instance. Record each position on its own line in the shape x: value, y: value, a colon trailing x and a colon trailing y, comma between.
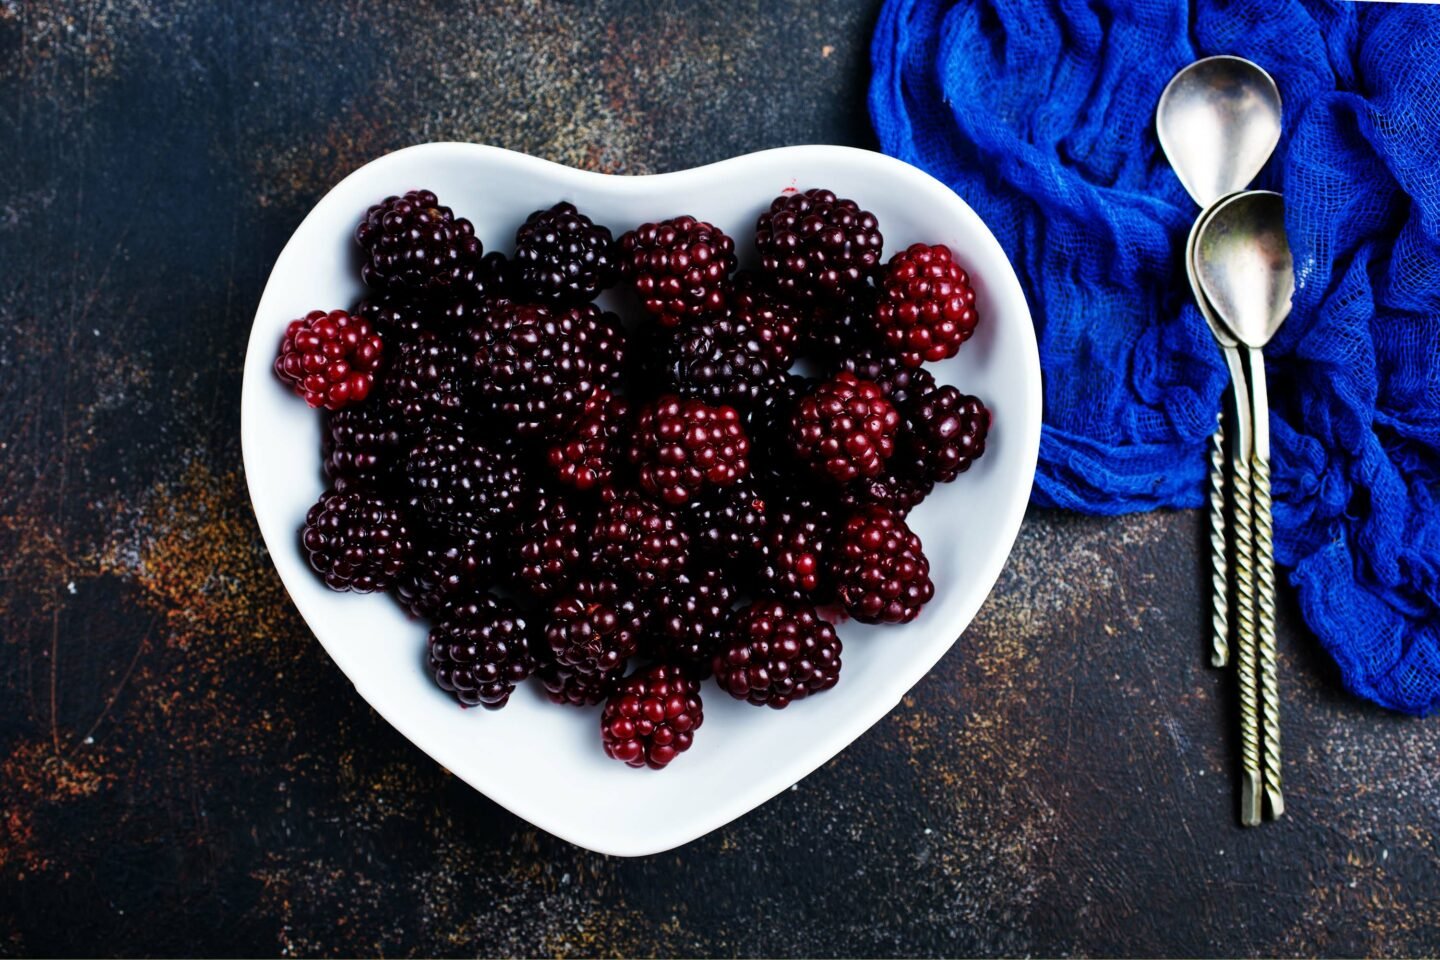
x: 544, y: 762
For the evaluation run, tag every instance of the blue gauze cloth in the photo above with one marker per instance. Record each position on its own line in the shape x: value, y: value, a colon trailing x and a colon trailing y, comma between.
x: 1040, y: 114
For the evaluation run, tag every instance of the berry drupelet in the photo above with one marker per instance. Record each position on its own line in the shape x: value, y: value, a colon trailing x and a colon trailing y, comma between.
x: 844, y: 429
x: 685, y: 623
x: 427, y: 382
x: 563, y: 257
x: 461, y: 485
x: 652, y: 716
x: 588, y: 452
x: 414, y: 243
x: 363, y: 445
x: 357, y: 541
x: 533, y: 369
x: 946, y: 432
x: 638, y: 541
x: 442, y: 568
x: 678, y: 268
x: 776, y: 651
x: 927, y: 308
x: 816, y: 245
x: 682, y: 448
x: 480, y: 650
x: 330, y: 359
x: 881, y: 572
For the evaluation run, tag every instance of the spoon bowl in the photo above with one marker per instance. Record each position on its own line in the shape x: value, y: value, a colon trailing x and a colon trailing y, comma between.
x: 1242, y: 257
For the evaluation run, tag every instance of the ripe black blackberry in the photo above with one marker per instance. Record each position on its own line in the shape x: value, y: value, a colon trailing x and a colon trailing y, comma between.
x: 479, y: 650
x: 651, y: 717
x: 427, y: 382
x: 946, y: 433
x: 414, y: 243
x: 605, y: 344
x: 533, y: 370
x: 461, y: 485
x: 815, y: 245
x: 899, y: 488
x: 357, y: 541
x: 587, y: 454
x: 881, y: 572
x: 844, y: 429
x: 779, y: 326
x: 638, y: 541
x: 565, y: 686
x: 563, y: 257
x: 549, y: 547
x: 591, y: 637
x: 683, y: 448
x: 684, y: 626
x: 795, y: 554
x: 719, y: 361
x: 899, y: 383
x: 442, y: 568
x: 678, y: 268
x: 768, y: 423
x: 730, y: 526
x: 363, y: 445
x: 843, y: 325
x: 776, y: 651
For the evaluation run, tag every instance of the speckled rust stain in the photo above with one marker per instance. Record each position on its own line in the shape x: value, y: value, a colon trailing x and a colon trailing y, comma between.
x: 174, y: 744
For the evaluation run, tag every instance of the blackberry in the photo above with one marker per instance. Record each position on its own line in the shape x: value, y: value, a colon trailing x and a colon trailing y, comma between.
x: 564, y: 686
x: 479, y: 649
x: 719, y: 361
x: 639, y: 541
x: 591, y: 637
x: 414, y: 243
x: 563, y: 257
x: 881, y: 572
x: 443, y: 568
x: 533, y: 370
x: 844, y: 325
x: 775, y: 651
x: 604, y: 343
x: 685, y: 624
x: 899, y: 383
x: 678, y: 268
x: 768, y: 423
x: 357, y: 541
x: 398, y: 316
x: 947, y: 431
x: 927, y: 309
x: 461, y: 485
x: 844, y: 429
x: 778, y: 325
x: 427, y: 382
x: 652, y: 716
x: 550, y: 548
x: 898, y: 488
x: 796, y: 553
x: 815, y: 245
x: 586, y: 455
x: 730, y: 527
x: 330, y: 359
x: 683, y: 448
x: 364, y: 445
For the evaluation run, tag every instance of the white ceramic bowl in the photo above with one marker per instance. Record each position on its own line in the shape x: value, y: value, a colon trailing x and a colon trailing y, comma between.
x: 544, y: 762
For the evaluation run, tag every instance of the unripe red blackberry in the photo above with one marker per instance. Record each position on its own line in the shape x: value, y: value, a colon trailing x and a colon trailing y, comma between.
x: 814, y: 244
x: 776, y: 651
x: 927, y: 308
x: 844, y: 429
x: 414, y: 243
x: 357, y: 541
x: 678, y: 268
x: 330, y: 359
x: 683, y: 448
x: 479, y: 650
x: 881, y: 572
x: 652, y: 716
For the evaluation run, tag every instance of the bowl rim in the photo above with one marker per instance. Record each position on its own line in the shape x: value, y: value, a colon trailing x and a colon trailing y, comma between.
x: 259, y: 357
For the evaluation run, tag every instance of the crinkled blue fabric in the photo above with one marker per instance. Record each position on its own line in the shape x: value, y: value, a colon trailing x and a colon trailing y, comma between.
x: 1040, y: 114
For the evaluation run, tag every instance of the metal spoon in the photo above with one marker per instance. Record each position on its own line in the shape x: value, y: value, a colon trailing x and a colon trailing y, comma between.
x: 1218, y: 121
x: 1243, y: 261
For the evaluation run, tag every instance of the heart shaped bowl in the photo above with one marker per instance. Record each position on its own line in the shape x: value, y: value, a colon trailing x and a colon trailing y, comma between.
x: 543, y: 762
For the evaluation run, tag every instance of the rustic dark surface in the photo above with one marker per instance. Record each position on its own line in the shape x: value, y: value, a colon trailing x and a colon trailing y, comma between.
x: 183, y: 771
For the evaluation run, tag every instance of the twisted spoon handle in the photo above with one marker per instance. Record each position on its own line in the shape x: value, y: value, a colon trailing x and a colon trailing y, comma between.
x: 1219, y: 568
x: 1269, y: 672
x: 1249, y: 700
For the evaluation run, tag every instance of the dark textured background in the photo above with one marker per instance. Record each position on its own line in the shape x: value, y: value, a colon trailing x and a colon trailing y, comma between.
x: 183, y: 771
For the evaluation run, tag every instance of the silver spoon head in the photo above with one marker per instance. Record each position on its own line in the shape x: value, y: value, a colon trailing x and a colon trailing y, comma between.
x: 1218, y: 122
x: 1242, y: 257
x: 1217, y: 327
